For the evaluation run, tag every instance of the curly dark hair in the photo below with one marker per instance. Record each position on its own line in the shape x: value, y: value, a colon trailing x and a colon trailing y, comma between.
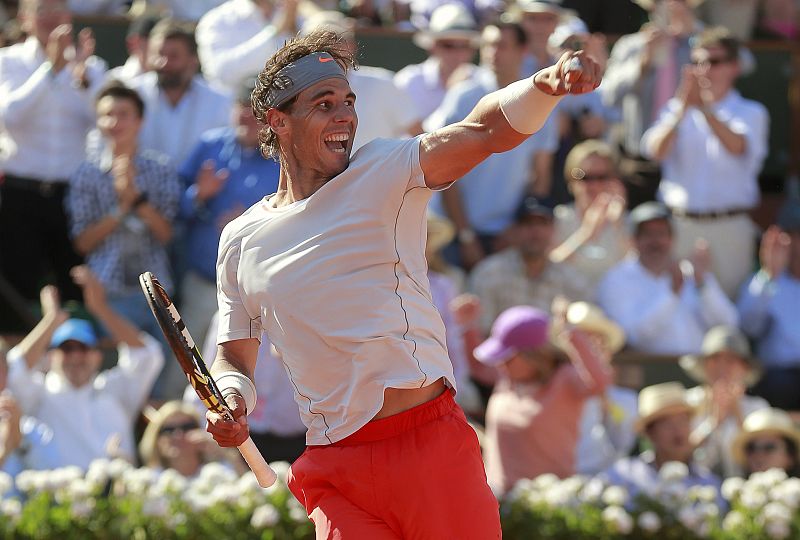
x: 298, y: 47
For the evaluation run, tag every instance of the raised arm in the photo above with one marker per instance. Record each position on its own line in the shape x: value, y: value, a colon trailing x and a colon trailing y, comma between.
x: 503, y: 119
x: 34, y: 345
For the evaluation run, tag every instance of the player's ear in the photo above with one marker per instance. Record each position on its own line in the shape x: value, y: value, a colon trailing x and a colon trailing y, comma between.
x: 276, y: 121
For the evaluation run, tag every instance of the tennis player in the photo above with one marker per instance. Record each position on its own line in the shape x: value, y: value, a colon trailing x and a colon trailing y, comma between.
x: 332, y: 267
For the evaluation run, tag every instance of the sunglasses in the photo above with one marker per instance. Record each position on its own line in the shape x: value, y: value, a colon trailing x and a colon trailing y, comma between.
x: 758, y: 448
x: 73, y: 346
x: 183, y: 428
x: 454, y: 45
x: 712, y: 61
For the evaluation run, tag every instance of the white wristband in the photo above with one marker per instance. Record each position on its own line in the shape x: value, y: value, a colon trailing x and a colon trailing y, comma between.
x: 233, y: 380
x: 526, y: 107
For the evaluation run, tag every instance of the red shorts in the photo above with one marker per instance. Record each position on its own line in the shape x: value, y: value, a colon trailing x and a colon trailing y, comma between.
x: 417, y: 475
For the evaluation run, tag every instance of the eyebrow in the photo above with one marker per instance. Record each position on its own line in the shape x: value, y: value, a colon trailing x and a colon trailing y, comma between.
x: 325, y: 93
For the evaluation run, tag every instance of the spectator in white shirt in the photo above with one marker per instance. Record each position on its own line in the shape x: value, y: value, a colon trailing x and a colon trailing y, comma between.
x: 91, y: 413
x: 725, y: 369
x: 180, y: 106
x: 539, y: 18
x: 451, y: 41
x: 182, y: 10
x: 47, y: 87
x: 664, y: 305
x: 235, y: 39
x: 383, y: 109
x: 136, y: 44
x: 769, y: 305
x: 711, y: 143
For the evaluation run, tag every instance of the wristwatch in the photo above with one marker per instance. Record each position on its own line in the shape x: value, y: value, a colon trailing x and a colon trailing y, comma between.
x: 466, y: 236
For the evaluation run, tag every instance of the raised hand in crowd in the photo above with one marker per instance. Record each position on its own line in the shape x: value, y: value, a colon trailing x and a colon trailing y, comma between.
x: 58, y: 42
x: 774, y: 252
x: 688, y: 91
x: 726, y: 397
x: 94, y: 295
x: 124, y: 172
x: 210, y: 181
x: 85, y: 48
x: 466, y: 309
x: 701, y: 261
x: 50, y: 300
x: 605, y: 210
x: 10, y: 434
x: 655, y: 39
x: 676, y: 273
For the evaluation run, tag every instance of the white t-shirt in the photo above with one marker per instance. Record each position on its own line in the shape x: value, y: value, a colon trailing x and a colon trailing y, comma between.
x: 339, y: 283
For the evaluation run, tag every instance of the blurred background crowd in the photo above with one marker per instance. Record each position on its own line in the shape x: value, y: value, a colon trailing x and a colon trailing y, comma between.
x: 620, y: 291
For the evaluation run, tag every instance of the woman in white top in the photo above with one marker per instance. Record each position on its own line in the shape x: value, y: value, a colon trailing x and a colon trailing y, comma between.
x: 591, y: 233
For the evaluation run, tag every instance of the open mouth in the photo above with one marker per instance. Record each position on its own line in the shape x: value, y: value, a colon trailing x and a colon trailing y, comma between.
x: 337, y: 142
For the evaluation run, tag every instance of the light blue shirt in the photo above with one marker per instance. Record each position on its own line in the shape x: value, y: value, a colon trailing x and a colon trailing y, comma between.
x: 770, y: 314
x: 640, y: 475
x: 492, y: 191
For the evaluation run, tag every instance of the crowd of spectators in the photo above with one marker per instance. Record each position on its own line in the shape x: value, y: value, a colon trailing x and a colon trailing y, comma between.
x: 625, y: 224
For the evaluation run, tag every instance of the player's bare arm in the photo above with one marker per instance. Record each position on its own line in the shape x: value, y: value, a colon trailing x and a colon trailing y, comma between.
x: 505, y: 118
x: 237, y: 356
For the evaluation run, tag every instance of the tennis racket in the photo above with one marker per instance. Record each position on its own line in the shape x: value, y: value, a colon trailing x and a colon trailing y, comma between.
x: 196, y: 371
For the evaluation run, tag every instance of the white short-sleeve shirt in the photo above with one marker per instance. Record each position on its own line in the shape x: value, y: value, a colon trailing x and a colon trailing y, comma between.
x: 339, y: 283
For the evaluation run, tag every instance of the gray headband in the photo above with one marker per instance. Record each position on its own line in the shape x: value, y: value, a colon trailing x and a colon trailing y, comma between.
x: 300, y: 74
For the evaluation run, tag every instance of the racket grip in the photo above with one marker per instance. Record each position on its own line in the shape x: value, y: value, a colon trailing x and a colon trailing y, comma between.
x: 264, y: 473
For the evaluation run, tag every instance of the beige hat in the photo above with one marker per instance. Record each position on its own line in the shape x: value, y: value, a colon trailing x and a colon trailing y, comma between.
x: 450, y: 21
x: 716, y: 340
x: 764, y: 421
x: 440, y: 232
x: 540, y: 6
x: 333, y: 21
x: 591, y: 318
x: 650, y: 4
x: 661, y: 400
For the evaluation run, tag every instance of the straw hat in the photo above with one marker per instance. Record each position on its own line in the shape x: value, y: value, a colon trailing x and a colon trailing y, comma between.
x: 661, y: 400
x: 716, y: 340
x: 440, y: 232
x: 333, y: 21
x: 650, y: 4
x: 767, y: 421
x: 450, y: 21
x: 591, y: 318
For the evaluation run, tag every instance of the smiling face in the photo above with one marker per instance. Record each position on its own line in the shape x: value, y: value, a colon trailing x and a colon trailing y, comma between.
x: 317, y: 131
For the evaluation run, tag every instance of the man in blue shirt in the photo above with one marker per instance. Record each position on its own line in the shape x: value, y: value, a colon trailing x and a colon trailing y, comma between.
x: 768, y: 306
x: 480, y: 206
x: 225, y: 174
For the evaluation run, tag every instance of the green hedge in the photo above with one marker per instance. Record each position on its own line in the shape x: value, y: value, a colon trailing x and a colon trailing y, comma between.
x: 116, y: 501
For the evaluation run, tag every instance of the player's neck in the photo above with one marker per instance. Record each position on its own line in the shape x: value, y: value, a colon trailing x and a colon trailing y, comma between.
x: 295, y: 184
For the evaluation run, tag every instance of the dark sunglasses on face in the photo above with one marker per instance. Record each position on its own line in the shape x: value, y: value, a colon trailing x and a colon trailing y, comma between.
x: 765, y: 448
x: 73, y: 346
x: 454, y: 45
x: 711, y: 61
x: 183, y: 428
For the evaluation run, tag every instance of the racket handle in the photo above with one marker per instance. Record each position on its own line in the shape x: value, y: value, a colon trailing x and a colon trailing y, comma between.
x: 264, y: 473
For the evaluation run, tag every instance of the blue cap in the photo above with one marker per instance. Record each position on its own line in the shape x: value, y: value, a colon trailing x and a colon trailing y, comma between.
x: 75, y: 330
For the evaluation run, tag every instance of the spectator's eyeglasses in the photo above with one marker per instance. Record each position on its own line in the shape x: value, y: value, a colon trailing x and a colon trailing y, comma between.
x: 73, y: 346
x: 454, y: 45
x: 183, y: 428
x: 757, y: 448
x: 573, y: 44
x: 712, y: 61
